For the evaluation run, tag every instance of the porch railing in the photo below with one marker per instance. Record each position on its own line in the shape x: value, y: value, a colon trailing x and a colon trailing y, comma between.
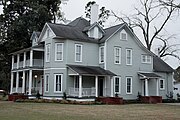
x: 86, y: 92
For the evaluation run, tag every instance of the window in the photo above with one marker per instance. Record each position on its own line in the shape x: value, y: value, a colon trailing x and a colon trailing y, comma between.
x: 117, y: 55
x: 123, y: 35
x: 47, y: 83
x: 101, y: 54
x: 47, y: 33
x: 145, y: 58
x: 128, y: 85
x: 128, y: 56
x: 47, y: 52
x: 162, y: 84
x: 58, y: 51
x: 117, y: 84
x: 76, y: 83
x: 78, y: 53
x: 58, y: 82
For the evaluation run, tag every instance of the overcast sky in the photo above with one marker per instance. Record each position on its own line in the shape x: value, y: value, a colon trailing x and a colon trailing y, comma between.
x: 76, y: 8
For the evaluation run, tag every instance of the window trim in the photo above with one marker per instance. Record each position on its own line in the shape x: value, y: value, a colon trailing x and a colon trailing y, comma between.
x: 55, y: 82
x: 80, y: 52
x: 48, y: 46
x: 146, y: 56
x: 163, y: 84
x: 59, y: 51
x: 130, y: 56
x: 119, y: 84
x: 116, y: 56
x: 45, y: 90
x: 130, y: 86
x: 100, y: 56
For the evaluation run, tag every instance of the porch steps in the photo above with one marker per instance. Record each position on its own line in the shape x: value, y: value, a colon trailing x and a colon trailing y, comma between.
x: 110, y: 100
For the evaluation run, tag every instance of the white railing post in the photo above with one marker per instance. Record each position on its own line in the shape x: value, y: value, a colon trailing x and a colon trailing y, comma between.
x: 80, y: 86
x: 12, y: 78
x: 146, y: 87
x: 30, y: 81
x: 17, y: 81
x: 31, y: 58
x: 112, y: 88
x: 18, y: 60
x: 12, y: 62
x: 157, y: 87
x: 96, y: 85
x: 23, y: 82
x: 24, y: 62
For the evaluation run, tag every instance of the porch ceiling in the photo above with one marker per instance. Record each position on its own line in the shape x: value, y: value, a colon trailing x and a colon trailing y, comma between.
x: 90, y: 70
x: 148, y: 75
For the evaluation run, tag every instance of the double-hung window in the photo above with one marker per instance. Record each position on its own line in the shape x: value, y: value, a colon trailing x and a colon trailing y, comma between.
x: 162, y: 84
x: 145, y: 58
x: 117, y: 55
x: 128, y: 56
x: 117, y: 84
x: 47, y: 52
x: 123, y: 35
x: 128, y: 85
x: 58, y: 51
x: 78, y: 53
x: 101, y: 54
x: 47, y: 83
x: 58, y: 82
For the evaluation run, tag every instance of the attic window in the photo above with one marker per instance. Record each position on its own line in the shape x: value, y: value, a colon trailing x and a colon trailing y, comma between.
x: 123, y: 35
x: 47, y: 33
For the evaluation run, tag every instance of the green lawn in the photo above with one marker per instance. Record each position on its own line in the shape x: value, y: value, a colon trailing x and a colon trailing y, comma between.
x: 52, y: 111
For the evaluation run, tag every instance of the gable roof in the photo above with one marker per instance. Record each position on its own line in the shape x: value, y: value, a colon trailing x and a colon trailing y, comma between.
x: 73, y: 30
x: 160, y: 66
x: 92, y: 26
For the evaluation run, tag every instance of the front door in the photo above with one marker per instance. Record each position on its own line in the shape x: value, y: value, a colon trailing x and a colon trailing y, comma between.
x: 100, y: 86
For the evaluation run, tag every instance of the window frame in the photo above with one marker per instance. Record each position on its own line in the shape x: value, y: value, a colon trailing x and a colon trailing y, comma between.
x: 46, y: 89
x: 56, y: 44
x: 48, y: 47
x: 162, y: 84
x: 101, y: 56
x: 81, y: 46
x: 129, y: 49
x: 123, y: 32
x: 119, y: 78
x: 115, y: 55
x: 61, y: 76
x: 130, y: 85
x: 146, y: 59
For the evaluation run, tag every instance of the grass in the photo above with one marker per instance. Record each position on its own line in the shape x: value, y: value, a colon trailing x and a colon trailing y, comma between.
x: 52, y: 111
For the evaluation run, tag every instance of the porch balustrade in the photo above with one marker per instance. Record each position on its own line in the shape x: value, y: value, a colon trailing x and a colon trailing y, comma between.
x: 86, y: 92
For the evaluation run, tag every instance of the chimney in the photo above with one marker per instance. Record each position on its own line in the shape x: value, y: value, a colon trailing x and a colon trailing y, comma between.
x: 94, y: 13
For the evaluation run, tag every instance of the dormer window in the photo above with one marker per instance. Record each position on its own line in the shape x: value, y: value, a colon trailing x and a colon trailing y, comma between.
x: 123, y: 35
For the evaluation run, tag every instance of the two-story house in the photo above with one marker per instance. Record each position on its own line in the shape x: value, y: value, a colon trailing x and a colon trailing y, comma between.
x: 86, y: 61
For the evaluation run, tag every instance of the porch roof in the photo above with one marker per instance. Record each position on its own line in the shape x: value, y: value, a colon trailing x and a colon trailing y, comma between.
x: 148, y: 75
x: 90, y: 70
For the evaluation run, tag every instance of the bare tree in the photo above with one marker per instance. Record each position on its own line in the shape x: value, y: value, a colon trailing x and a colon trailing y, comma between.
x: 151, y: 19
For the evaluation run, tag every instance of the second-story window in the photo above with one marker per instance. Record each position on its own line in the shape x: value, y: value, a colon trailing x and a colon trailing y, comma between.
x: 128, y: 56
x: 58, y: 51
x: 117, y: 55
x: 78, y: 53
x: 145, y: 58
x: 47, y: 52
x: 101, y: 54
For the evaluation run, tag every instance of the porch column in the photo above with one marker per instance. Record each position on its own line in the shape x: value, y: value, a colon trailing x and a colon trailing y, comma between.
x: 112, y: 88
x: 18, y: 60
x: 142, y: 87
x: 157, y: 87
x: 17, y: 81
x: 12, y: 77
x: 24, y: 62
x: 30, y: 81
x: 80, y: 86
x: 31, y: 58
x: 12, y: 62
x: 23, y: 82
x: 146, y: 87
x: 96, y: 85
